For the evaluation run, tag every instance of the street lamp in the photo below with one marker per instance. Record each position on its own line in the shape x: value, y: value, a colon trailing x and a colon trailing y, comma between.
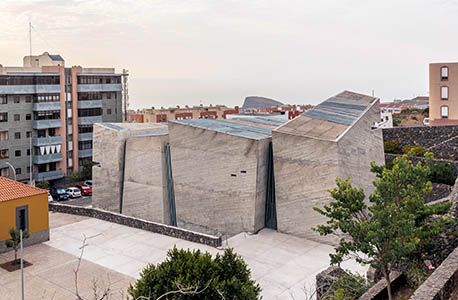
x: 12, y: 168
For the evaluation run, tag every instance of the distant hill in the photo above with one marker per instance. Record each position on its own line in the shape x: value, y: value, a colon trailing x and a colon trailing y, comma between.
x: 259, y: 102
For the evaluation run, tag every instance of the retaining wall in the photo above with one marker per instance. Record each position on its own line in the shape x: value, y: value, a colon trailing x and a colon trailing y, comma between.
x: 137, y: 223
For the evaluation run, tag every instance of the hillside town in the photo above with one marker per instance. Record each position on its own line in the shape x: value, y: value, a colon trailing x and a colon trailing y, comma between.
x: 350, y: 196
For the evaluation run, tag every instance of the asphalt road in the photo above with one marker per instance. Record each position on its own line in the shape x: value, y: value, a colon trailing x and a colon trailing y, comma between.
x: 83, y: 201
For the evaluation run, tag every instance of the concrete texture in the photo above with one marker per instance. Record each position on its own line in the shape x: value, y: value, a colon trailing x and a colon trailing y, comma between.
x: 145, y: 181
x: 284, y: 266
x: 310, y: 152
x: 108, y: 152
x: 220, y: 180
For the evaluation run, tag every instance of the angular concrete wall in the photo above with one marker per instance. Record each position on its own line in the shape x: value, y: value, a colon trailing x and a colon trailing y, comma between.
x: 216, y: 178
x: 145, y: 183
x: 359, y: 147
x: 305, y: 168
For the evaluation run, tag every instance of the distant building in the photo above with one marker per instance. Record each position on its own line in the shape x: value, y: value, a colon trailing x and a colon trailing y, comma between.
x: 386, y: 120
x: 23, y: 207
x: 54, y: 108
x: 334, y: 139
x: 163, y: 115
x: 254, y: 103
x: 443, y: 94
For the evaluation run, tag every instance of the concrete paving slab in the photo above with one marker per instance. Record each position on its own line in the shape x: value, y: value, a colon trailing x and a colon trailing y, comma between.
x: 282, y: 264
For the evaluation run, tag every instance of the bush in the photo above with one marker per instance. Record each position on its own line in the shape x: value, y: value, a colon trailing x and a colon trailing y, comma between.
x: 415, y: 150
x: 392, y: 146
x: 198, y: 273
x: 347, y: 287
x: 442, y: 172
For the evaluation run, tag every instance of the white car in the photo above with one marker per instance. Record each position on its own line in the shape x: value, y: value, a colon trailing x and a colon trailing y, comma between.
x: 74, y: 192
x: 426, y: 121
x: 50, y: 197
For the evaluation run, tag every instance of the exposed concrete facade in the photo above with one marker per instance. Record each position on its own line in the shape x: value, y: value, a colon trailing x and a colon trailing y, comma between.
x: 443, y: 94
x: 333, y: 140
x: 110, y: 154
x: 145, y: 180
x: 219, y: 175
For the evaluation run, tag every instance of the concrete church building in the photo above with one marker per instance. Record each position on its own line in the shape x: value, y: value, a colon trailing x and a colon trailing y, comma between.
x: 130, y: 175
x: 334, y: 139
x: 221, y: 173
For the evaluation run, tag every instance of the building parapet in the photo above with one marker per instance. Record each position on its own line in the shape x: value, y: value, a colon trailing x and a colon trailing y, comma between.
x: 90, y: 120
x: 87, y: 136
x: 90, y: 104
x: 45, y: 106
x: 43, y: 124
x: 46, y: 141
x: 30, y: 89
x: 84, y: 153
x: 110, y: 87
x: 50, y: 175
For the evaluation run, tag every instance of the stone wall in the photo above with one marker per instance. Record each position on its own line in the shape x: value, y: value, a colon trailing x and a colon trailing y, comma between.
x: 137, y: 223
x: 443, y: 281
x: 390, y: 157
x: 444, y: 139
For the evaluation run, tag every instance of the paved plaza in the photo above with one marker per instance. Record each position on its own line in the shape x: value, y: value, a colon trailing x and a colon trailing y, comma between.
x: 284, y: 266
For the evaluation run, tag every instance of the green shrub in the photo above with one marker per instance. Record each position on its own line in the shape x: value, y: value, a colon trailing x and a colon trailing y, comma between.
x: 198, y: 273
x: 392, y: 146
x: 442, y: 172
x: 415, y: 150
x: 347, y: 287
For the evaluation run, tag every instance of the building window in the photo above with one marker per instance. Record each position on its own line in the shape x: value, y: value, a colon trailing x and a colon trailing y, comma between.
x: 109, y: 111
x: 17, y: 135
x: 4, y: 135
x: 444, y: 112
x: 444, y: 92
x: 4, y: 117
x: 17, y: 153
x: 17, y: 99
x: 18, y: 171
x: 28, y: 170
x: 28, y: 99
x: 22, y: 218
x: 3, y: 99
x: 28, y: 152
x: 4, y: 153
x: 108, y: 95
x: 28, y: 116
x: 444, y: 73
x: 28, y: 134
x: 17, y: 117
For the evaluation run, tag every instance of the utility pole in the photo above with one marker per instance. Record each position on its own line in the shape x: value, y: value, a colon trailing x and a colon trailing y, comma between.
x: 22, y: 265
x: 30, y: 161
x: 125, y: 92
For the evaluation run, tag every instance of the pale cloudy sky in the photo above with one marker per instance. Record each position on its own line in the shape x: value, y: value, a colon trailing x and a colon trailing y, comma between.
x: 192, y: 51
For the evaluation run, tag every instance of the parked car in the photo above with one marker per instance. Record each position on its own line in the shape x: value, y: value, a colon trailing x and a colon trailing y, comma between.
x: 50, y: 197
x: 88, y: 182
x: 426, y: 121
x: 59, y: 194
x: 86, y: 190
x: 74, y: 192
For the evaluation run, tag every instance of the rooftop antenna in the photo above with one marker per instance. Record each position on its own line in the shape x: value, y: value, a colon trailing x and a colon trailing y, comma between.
x: 30, y: 37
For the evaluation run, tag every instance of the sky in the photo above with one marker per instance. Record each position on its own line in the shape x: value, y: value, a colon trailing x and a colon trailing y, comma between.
x: 219, y: 52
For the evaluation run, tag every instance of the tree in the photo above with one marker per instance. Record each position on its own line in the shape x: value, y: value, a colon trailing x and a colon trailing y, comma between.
x: 189, y: 274
x: 387, y: 231
x: 15, y: 240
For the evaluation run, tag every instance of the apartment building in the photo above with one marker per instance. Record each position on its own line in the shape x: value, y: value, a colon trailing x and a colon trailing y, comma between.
x: 46, y: 115
x: 163, y: 115
x: 443, y: 94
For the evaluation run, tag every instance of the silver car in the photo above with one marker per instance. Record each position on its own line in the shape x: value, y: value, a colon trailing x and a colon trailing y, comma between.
x: 74, y: 192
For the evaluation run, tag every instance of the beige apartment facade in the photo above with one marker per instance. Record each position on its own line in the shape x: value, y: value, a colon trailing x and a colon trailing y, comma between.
x: 443, y: 94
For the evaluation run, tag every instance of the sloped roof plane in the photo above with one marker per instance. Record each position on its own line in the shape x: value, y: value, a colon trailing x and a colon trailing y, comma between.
x: 331, y: 118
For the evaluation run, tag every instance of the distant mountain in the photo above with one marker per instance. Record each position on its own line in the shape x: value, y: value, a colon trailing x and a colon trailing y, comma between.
x: 259, y: 102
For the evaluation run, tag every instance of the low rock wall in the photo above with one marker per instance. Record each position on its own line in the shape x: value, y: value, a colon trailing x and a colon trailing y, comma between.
x: 137, y: 223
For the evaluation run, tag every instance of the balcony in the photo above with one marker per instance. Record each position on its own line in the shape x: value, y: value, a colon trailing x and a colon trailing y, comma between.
x: 90, y: 103
x: 46, y: 141
x: 85, y: 153
x: 45, y: 106
x: 107, y: 87
x: 50, y: 175
x: 43, y: 124
x: 48, y: 158
x: 90, y: 120
x: 30, y: 89
x: 85, y: 136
